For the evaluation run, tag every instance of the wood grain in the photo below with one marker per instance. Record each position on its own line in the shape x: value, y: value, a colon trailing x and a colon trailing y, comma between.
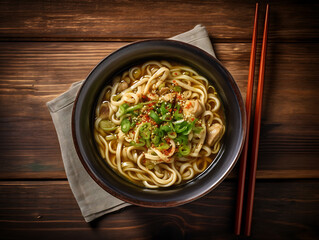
x: 33, y: 73
x: 46, y: 45
x: 47, y: 210
x: 130, y: 20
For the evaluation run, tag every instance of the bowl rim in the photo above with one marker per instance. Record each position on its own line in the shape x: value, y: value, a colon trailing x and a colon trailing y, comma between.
x: 242, y: 110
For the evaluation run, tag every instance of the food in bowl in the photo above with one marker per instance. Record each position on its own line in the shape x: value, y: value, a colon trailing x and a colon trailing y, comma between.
x: 84, y: 118
x: 159, y: 124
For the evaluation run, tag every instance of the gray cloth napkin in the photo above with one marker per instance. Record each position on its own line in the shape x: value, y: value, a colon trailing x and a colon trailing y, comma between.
x: 91, y: 198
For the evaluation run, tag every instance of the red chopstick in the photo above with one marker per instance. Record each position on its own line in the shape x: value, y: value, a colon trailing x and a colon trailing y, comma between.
x: 243, y: 159
x: 257, y: 120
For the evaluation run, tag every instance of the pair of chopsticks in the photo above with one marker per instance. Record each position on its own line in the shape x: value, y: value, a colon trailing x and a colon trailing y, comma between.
x: 256, y: 131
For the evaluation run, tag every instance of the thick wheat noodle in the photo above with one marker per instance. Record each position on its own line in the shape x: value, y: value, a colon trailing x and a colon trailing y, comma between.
x: 201, y: 94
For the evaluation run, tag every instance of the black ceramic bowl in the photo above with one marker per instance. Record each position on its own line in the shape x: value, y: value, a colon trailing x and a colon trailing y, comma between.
x: 139, y: 52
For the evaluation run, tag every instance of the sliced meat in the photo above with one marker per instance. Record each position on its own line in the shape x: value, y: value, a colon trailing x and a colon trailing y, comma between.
x: 214, y: 133
x: 164, y: 90
x: 170, y: 97
x: 122, y: 86
x: 192, y: 107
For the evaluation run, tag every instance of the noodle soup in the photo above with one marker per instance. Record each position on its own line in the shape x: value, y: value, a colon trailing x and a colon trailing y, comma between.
x: 159, y: 124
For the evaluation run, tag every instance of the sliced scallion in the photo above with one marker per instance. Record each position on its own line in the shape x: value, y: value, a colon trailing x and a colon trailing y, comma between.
x: 156, y: 139
x: 125, y: 125
x: 197, y: 129
x: 107, y: 125
x: 135, y: 107
x: 141, y: 143
x: 182, y: 140
x: 145, y: 132
x: 172, y: 135
x: 163, y: 146
x: 163, y: 109
x: 184, y: 150
x: 155, y: 117
x: 110, y: 137
x: 122, y: 110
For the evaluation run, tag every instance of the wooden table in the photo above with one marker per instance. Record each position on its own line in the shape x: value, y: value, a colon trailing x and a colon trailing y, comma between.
x: 47, y: 45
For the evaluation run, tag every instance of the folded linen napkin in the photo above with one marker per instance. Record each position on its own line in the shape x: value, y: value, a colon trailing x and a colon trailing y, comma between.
x: 91, y: 198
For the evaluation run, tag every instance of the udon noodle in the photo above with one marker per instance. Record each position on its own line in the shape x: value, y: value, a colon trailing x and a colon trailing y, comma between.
x: 159, y: 124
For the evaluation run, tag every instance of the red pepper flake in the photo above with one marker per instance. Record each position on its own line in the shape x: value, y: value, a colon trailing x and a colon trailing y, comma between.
x: 188, y: 105
x: 167, y: 151
x: 151, y: 104
x: 192, y: 119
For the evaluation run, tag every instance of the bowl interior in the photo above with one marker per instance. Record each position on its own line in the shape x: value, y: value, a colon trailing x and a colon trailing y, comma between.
x: 102, y: 75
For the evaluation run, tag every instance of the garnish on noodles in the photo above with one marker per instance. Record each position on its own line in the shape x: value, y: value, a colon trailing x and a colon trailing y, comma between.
x: 159, y: 124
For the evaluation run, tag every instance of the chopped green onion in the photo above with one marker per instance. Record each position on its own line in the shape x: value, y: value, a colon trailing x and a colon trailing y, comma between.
x: 145, y: 126
x: 179, y: 128
x: 163, y: 146
x: 197, y: 129
x: 184, y: 150
x: 122, y: 110
x: 182, y: 140
x: 172, y: 135
x: 145, y: 135
x: 110, y: 137
x: 116, y: 97
x: 177, y: 89
x: 135, y: 114
x: 155, y: 117
x: 163, y: 110
x: 145, y: 131
x: 167, y: 127
x: 135, y: 107
x: 156, y: 139
x: 145, y: 103
x: 107, y: 125
x: 188, y: 129
x: 125, y: 108
x: 148, y: 143
x: 159, y: 132
x: 177, y: 115
x: 133, y: 124
x: 141, y: 143
x: 167, y: 117
x: 171, y: 125
x: 125, y: 125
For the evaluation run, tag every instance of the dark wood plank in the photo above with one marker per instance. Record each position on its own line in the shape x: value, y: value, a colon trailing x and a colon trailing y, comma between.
x: 33, y: 73
x: 47, y: 210
x: 125, y: 20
